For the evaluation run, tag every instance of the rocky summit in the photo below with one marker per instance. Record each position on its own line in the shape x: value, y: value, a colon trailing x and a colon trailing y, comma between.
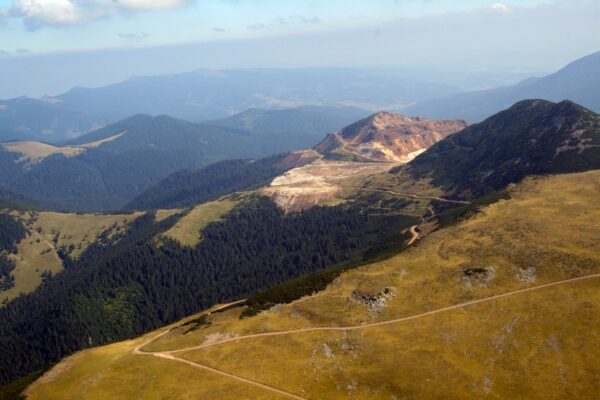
x: 387, y: 137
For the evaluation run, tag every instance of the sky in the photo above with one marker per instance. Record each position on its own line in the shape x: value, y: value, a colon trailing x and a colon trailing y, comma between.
x: 47, y: 46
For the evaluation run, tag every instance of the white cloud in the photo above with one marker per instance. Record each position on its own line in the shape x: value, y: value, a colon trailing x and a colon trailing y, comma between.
x: 500, y: 8
x: 38, y: 13
x: 148, y: 5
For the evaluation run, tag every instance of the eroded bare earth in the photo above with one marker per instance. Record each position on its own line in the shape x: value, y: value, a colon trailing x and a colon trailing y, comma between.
x: 318, y: 183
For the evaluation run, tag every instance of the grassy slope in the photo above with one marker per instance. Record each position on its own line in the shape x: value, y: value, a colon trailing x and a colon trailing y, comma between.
x: 188, y: 229
x: 133, y: 377
x: 513, y: 348
x: 539, y: 344
x: 49, y: 231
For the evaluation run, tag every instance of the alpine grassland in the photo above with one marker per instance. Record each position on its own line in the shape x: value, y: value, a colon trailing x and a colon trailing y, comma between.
x: 488, y: 307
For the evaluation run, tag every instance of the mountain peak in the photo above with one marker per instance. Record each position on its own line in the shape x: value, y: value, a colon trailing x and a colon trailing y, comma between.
x: 531, y: 137
x: 388, y: 137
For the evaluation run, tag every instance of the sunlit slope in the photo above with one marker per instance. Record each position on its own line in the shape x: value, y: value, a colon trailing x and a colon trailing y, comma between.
x: 114, y: 372
x: 188, y: 229
x: 539, y: 343
x: 49, y: 232
x: 532, y: 345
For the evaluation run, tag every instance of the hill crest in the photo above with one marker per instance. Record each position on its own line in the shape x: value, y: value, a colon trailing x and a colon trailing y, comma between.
x: 533, y: 137
x: 387, y: 137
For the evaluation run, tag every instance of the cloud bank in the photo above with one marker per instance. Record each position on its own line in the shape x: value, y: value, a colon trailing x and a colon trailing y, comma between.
x: 39, y: 13
x: 500, y: 8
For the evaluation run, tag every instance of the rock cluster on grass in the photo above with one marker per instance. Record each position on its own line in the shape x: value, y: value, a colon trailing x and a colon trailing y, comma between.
x: 375, y: 303
x: 528, y: 274
x: 480, y: 276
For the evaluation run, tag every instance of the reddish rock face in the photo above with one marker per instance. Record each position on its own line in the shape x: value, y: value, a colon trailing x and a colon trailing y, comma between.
x: 387, y: 137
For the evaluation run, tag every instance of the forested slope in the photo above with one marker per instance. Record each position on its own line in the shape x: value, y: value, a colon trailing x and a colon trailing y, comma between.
x: 115, y: 291
x: 188, y: 187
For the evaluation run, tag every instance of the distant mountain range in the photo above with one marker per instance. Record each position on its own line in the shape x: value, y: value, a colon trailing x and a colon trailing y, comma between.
x: 107, y: 168
x: 204, y: 95
x: 207, y: 94
x: 578, y: 82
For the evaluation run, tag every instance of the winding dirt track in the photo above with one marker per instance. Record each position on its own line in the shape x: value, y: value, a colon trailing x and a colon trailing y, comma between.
x: 415, y: 235
x: 170, y: 354
x: 411, y: 195
x: 414, y: 230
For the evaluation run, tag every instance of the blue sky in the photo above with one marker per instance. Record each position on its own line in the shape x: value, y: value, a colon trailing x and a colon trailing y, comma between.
x: 49, y: 46
x: 46, y: 26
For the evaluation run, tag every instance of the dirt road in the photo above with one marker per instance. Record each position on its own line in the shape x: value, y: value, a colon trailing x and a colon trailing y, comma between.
x: 414, y: 230
x: 170, y: 354
x: 411, y: 195
x: 415, y: 235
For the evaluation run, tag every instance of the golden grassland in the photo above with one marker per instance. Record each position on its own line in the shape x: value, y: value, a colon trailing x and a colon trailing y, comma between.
x: 161, y: 215
x: 188, y: 230
x: 33, y: 152
x: 532, y: 345
x: 48, y: 232
x: 114, y: 372
x: 539, y: 344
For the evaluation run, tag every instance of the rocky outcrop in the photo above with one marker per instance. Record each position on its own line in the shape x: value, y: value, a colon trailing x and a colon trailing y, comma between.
x: 387, y: 137
x: 374, y: 303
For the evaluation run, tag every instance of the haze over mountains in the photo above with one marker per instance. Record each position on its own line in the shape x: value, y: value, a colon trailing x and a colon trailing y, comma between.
x: 578, y: 82
x: 25, y: 118
x: 210, y: 94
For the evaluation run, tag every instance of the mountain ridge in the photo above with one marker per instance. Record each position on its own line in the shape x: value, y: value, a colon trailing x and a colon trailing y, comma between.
x: 532, y: 137
x: 579, y: 81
